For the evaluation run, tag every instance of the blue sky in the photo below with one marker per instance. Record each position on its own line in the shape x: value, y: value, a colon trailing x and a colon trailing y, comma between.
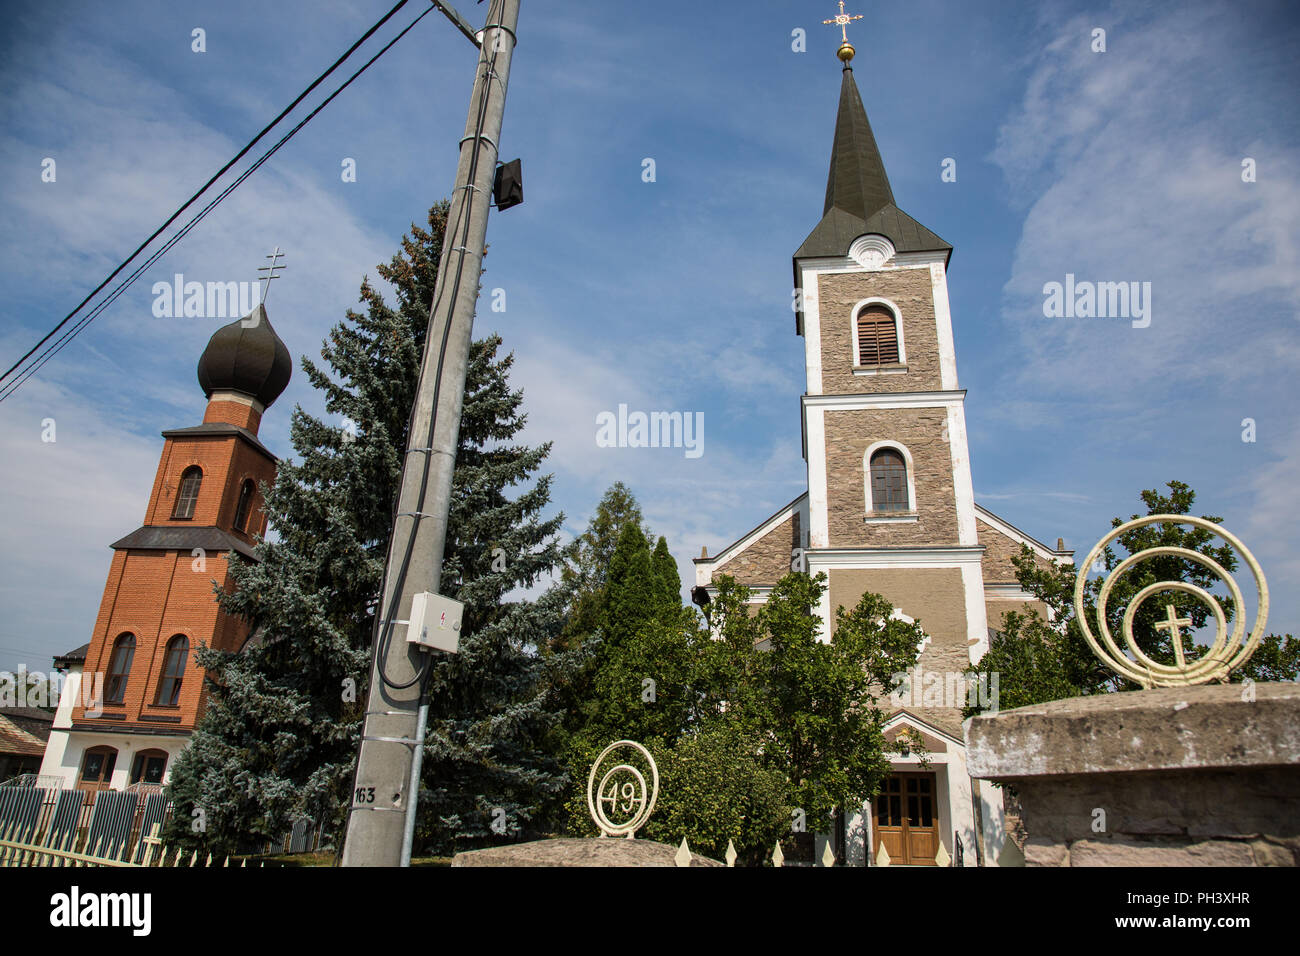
x: 674, y: 295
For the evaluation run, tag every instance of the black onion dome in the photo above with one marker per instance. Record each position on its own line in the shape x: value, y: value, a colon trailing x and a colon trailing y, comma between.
x: 246, y: 356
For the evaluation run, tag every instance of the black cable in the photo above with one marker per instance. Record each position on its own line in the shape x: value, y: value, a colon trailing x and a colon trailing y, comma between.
x: 64, y: 339
x: 219, y: 173
x: 424, y: 670
x: 383, y: 623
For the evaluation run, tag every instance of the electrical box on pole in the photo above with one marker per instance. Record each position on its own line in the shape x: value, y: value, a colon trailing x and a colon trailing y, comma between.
x: 435, y: 622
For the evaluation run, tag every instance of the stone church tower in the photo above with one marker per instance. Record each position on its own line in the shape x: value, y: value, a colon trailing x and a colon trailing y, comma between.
x: 890, y: 505
x: 158, y: 605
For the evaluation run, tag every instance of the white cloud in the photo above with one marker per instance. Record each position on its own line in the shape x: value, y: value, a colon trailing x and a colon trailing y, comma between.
x: 1128, y: 165
x: 1271, y: 527
x: 65, y: 501
x: 1134, y: 166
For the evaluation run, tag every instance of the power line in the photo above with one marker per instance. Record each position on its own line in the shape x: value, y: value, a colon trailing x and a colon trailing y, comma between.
x: 126, y: 283
x: 222, y: 171
x: 82, y: 323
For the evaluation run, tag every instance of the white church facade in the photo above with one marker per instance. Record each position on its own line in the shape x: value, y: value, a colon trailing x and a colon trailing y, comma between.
x: 890, y: 506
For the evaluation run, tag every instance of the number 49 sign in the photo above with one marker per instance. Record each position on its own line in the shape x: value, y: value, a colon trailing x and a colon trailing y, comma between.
x: 622, y: 792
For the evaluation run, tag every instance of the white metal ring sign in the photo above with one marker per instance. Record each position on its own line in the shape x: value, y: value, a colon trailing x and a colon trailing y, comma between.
x: 1225, y: 655
x: 623, y: 791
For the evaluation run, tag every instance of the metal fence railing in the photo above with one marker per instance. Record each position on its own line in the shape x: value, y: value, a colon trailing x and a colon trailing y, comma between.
x: 110, y: 824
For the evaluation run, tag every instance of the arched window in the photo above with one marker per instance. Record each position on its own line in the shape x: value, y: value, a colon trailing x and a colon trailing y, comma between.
x: 245, y: 506
x: 149, y: 766
x: 188, y: 493
x: 97, y: 768
x: 169, y: 688
x: 119, y: 669
x: 888, y: 481
x: 877, y: 336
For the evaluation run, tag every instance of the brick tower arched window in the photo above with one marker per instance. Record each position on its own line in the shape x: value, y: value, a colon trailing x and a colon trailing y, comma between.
x: 245, y: 506
x: 119, y: 669
x: 169, y: 688
x: 188, y: 493
x: 888, y: 481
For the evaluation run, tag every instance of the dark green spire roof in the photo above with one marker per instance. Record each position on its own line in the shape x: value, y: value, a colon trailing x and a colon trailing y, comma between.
x: 857, y: 183
x: 858, y: 198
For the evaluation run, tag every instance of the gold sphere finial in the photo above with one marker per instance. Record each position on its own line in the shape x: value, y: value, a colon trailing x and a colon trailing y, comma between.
x: 842, y: 20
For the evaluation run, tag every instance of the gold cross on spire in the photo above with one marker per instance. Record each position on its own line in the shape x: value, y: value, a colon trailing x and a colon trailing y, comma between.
x: 842, y: 20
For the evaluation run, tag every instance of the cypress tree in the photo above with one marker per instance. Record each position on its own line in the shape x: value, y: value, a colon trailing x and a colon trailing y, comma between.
x: 631, y: 588
x: 587, y: 563
x: 667, y: 578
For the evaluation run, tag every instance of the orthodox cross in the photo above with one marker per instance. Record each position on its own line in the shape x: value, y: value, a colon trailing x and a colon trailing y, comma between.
x: 270, y: 271
x: 1174, y: 625
x: 843, y: 20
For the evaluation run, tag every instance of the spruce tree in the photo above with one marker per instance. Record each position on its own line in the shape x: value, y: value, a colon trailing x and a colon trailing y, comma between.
x: 279, y: 737
x: 487, y: 771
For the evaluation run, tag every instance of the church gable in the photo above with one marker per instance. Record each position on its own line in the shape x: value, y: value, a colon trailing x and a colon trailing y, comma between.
x: 764, y: 555
x: 940, y: 729
x: 1002, y: 540
x: 935, y: 739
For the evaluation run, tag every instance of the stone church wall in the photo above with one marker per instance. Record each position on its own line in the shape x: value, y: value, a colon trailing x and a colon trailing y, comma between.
x: 920, y: 430
x: 912, y: 292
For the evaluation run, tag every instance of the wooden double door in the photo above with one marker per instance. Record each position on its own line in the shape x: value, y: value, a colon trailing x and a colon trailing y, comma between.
x: 905, y: 819
x: 97, y: 769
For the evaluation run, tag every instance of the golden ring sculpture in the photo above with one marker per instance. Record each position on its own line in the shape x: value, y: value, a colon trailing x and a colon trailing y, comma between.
x: 1225, y: 655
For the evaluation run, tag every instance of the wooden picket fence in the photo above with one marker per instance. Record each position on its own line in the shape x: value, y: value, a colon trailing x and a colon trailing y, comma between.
x: 48, y: 853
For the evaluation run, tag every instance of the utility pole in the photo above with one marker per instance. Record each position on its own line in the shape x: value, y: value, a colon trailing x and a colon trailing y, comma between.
x: 386, y: 784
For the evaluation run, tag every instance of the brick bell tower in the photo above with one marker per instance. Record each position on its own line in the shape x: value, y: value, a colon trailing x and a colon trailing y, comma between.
x: 158, y: 604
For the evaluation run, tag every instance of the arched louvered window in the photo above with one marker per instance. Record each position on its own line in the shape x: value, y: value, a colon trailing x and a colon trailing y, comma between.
x: 877, y: 336
x: 119, y: 669
x: 245, y: 506
x: 188, y: 493
x: 888, y: 481
x: 169, y: 688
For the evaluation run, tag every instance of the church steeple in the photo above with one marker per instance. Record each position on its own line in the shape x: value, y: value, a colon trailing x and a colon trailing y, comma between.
x: 859, y: 200
x: 857, y: 182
